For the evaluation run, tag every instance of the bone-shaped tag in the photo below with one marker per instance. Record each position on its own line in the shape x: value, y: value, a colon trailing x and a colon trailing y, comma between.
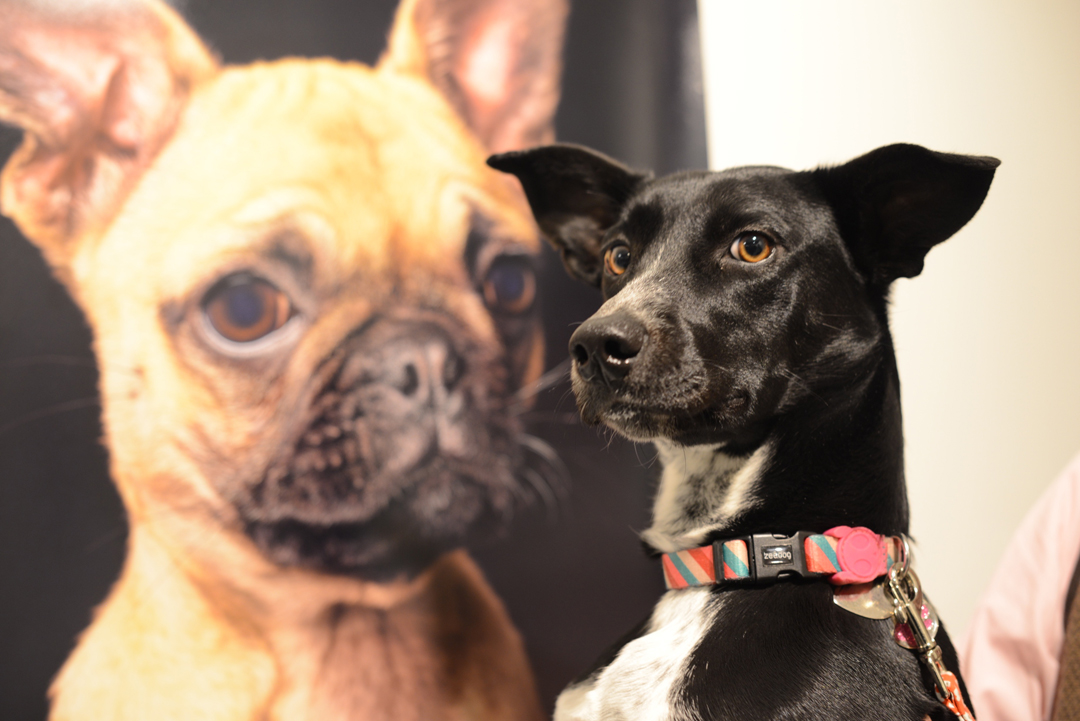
x: 869, y: 600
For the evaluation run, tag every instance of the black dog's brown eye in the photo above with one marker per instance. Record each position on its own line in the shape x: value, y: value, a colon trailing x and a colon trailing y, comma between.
x: 752, y: 247
x: 510, y: 285
x: 617, y: 259
x: 243, y: 309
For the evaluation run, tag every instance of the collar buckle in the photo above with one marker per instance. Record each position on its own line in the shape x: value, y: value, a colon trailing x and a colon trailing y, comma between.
x: 769, y: 557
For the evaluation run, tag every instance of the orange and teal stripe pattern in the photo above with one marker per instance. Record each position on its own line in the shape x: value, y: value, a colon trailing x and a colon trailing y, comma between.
x: 689, y: 568
x: 820, y: 553
x: 697, y: 567
x: 826, y: 554
x: 736, y: 562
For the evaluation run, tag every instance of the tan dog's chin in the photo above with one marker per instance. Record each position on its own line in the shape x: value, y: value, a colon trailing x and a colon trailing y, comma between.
x: 401, y: 540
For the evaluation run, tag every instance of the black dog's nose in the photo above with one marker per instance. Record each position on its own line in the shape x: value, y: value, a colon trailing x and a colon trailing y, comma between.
x: 607, y: 347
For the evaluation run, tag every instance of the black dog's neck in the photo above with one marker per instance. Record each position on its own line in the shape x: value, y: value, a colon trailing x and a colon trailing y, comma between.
x: 834, y: 459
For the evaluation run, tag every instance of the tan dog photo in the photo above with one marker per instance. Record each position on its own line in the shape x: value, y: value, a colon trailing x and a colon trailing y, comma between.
x: 312, y: 306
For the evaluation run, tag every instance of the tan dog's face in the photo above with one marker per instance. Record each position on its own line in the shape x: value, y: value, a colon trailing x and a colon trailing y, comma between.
x: 312, y: 312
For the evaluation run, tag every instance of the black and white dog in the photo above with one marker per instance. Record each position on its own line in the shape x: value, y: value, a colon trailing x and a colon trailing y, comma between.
x: 745, y: 333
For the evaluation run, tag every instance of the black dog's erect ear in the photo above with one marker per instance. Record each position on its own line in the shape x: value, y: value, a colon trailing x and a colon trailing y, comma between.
x: 897, y: 202
x: 576, y: 195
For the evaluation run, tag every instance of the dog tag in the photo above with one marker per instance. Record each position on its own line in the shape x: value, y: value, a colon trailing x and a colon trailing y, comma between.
x: 869, y: 600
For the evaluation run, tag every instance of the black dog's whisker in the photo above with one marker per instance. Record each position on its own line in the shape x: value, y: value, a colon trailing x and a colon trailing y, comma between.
x: 609, y: 435
x: 562, y: 399
x: 645, y: 464
x: 802, y: 383
x: 712, y: 364
x: 654, y: 459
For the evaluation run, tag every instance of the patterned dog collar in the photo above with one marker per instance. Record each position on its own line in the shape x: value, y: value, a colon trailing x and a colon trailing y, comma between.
x: 841, y: 555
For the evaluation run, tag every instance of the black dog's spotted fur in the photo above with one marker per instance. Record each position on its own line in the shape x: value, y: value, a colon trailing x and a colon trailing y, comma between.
x: 790, y: 356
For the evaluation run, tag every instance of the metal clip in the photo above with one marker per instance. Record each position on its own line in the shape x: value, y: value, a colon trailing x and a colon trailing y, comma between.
x: 916, y: 628
x: 916, y: 620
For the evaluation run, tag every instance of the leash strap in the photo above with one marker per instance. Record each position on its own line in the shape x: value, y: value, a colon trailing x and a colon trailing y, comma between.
x: 843, y: 555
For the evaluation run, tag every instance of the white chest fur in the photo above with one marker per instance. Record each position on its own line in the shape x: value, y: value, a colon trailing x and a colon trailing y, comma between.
x: 642, y: 682
x: 717, y: 485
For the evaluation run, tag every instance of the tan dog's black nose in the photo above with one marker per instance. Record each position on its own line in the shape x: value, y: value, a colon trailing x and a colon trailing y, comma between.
x: 605, y: 348
x: 405, y: 395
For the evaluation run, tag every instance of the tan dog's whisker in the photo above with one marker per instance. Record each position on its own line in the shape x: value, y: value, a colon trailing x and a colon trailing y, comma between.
x: 542, y: 476
x: 104, y: 539
x: 74, y: 404
x: 549, y: 417
x: 552, y: 377
x: 45, y: 360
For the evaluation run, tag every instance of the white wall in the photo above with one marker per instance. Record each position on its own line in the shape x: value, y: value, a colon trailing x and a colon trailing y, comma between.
x: 988, y: 336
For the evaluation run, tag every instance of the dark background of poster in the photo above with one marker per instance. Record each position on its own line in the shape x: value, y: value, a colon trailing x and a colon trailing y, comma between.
x: 573, y: 577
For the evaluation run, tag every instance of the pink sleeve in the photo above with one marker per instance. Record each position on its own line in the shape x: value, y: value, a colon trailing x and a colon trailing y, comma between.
x: 1011, y: 658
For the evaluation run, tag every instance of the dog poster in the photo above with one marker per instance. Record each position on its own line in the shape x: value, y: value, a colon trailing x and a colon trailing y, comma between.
x: 327, y: 342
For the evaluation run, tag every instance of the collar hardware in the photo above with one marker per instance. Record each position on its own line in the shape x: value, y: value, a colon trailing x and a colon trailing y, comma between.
x: 872, y: 575
x: 916, y: 629
x: 842, y: 555
x: 764, y: 556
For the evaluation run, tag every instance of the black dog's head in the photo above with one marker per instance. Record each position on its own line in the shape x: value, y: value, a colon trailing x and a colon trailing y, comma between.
x: 732, y: 296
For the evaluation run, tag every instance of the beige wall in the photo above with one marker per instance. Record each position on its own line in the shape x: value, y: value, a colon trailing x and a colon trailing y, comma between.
x: 988, y: 336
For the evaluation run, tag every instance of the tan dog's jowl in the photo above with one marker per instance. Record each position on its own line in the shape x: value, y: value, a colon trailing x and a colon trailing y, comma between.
x: 312, y: 306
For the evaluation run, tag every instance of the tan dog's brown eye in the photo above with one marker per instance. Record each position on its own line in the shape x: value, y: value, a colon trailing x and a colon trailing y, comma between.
x: 752, y: 247
x: 617, y: 259
x: 243, y: 309
x: 510, y: 285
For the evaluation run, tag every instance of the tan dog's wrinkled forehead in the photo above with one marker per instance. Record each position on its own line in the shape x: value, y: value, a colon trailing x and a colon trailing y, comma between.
x: 375, y: 164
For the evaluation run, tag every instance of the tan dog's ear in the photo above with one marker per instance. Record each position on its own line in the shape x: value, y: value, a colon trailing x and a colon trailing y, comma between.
x: 497, y: 61
x: 97, y: 86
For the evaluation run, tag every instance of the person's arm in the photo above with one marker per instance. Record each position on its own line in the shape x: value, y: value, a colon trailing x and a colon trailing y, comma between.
x: 1013, y: 647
